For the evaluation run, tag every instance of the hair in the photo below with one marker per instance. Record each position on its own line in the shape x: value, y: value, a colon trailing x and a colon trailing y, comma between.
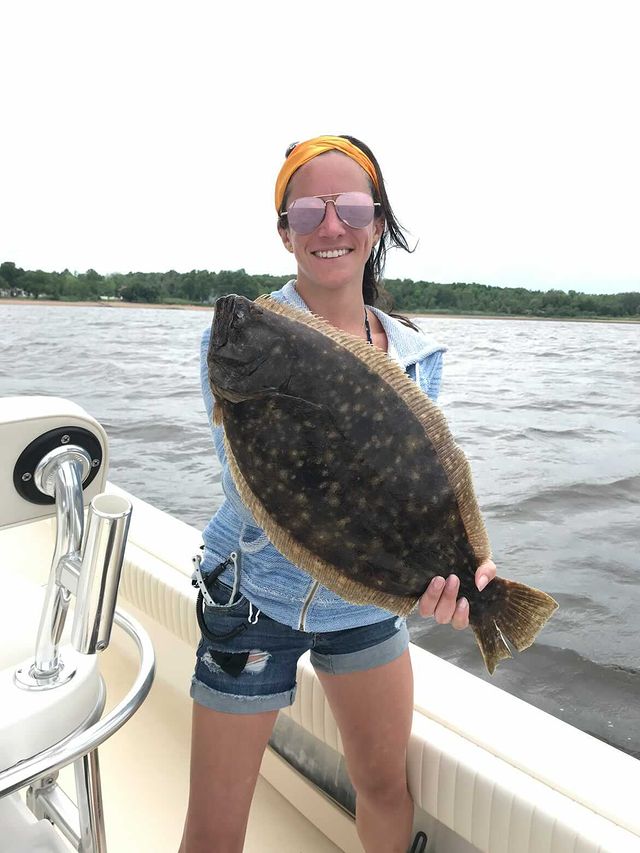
x: 373, y: 291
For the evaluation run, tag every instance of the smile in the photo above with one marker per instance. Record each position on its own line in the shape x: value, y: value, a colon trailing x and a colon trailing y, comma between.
x: 333, y: 253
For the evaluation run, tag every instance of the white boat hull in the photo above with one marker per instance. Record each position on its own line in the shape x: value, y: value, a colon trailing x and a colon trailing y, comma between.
x: 487, y: 771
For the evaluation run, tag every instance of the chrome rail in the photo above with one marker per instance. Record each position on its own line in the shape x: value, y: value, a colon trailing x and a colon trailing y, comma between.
x: 63, y: 753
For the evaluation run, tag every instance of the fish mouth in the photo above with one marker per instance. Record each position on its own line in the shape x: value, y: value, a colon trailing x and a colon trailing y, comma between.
x: 230, y: 313
x: 233, y: 358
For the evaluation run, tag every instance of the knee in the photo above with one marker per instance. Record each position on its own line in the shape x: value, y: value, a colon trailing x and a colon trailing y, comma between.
x: 382, y: 790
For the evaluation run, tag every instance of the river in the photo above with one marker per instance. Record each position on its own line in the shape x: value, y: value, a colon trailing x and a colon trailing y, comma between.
x: 548, y: 414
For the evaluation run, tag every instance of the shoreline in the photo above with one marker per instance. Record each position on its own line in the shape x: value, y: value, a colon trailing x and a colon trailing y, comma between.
x: 433, y: 315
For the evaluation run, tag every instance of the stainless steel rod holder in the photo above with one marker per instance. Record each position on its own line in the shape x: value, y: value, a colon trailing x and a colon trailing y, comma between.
x: 99, y: 576
x: 60, y: 474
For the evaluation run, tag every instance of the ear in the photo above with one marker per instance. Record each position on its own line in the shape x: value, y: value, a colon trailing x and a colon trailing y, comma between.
x: 284, y: 236
x: 378, y: 228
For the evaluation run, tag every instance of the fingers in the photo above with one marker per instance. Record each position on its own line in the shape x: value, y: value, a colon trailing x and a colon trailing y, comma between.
x: 431, y: 597
x: 439, y: 601
x: 485, y: 573
x: 445, y: 608
x: 460, y: 618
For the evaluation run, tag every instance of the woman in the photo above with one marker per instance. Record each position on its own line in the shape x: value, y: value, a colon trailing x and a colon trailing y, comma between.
x: 263, y: 612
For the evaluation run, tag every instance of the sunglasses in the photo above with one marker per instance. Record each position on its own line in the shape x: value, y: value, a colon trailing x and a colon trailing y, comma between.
x: 354, y: 209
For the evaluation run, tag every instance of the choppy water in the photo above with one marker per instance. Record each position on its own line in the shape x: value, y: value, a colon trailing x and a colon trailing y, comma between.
x: 547, y: 412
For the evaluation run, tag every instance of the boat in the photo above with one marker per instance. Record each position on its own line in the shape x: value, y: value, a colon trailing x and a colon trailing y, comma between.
x: 94, y: 753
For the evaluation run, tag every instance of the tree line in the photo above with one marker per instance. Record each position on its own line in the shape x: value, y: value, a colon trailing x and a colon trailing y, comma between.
x: 201, y: 287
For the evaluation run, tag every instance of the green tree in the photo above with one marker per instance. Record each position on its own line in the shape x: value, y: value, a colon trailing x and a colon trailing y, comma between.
x: 11, y: 273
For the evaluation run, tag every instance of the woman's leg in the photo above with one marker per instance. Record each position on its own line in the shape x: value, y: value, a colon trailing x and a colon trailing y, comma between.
x: 226, y: 751
x: 373, y: 709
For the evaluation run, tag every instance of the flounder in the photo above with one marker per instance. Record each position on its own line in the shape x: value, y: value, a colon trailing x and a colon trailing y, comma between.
x: 352, y: 471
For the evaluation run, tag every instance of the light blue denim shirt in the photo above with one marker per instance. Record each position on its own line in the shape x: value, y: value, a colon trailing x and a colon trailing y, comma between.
x: 272, y: 584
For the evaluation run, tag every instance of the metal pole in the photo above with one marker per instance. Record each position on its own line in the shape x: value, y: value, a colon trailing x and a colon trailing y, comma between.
x: 90, y: 806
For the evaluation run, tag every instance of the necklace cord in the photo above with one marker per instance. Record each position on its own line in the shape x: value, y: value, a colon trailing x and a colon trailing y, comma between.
x: 367, y: 327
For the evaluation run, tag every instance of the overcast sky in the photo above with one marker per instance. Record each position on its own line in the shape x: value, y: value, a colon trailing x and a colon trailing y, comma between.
x: 147, y: 136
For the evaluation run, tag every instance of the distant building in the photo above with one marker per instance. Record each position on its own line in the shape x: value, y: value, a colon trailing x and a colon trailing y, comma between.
x: 14, y: 293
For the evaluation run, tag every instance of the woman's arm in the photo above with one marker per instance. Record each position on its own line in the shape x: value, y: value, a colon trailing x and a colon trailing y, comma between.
x: 207, y: 396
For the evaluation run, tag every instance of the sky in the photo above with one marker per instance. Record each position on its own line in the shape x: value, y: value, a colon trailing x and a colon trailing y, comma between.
x: 148, y: 135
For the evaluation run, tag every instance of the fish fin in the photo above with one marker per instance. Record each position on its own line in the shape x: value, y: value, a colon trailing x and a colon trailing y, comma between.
x: 511, y: 611
x: 217, y: 415
x: 492, y: 644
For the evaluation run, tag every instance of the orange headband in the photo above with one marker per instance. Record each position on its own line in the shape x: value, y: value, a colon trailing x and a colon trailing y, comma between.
x: 305, y: 151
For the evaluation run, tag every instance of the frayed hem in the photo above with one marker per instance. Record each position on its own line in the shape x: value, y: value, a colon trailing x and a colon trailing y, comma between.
x: 235, y: 703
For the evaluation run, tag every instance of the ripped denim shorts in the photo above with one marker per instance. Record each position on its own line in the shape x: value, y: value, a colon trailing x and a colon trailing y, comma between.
x: 246, y: 662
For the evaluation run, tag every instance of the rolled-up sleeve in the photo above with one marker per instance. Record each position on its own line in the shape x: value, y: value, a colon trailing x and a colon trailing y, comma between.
x: 430, y: 374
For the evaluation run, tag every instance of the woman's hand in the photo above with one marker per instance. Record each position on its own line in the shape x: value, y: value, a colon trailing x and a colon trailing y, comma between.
x: 439, y: 599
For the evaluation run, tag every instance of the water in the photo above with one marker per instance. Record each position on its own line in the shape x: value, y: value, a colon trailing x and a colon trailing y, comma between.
x: 547, y: 412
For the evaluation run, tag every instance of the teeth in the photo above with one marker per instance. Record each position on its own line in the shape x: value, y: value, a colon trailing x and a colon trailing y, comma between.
x: 334, y: 253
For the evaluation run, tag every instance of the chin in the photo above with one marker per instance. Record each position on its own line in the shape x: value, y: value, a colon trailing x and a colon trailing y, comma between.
x: 335, y: 278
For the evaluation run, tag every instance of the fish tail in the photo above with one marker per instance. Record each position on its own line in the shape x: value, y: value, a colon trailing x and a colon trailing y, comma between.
x: 512, y: 611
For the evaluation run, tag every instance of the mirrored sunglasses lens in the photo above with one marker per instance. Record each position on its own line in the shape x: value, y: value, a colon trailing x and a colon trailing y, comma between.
x: 355, y: 209
x: 305, y: 214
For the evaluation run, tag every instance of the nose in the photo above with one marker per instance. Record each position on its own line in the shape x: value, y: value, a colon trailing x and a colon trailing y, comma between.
x: 331, y: 224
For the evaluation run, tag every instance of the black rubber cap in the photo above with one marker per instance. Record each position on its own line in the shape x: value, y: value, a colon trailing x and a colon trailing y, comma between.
x: 45, y: 443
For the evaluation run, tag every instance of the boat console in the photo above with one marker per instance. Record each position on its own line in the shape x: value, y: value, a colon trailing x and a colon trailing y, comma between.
x: 53, y: 465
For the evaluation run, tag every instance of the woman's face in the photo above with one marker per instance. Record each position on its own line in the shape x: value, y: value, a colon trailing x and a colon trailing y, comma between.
x: 326, y: 175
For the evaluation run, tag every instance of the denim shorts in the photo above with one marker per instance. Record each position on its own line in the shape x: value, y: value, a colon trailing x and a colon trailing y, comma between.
x: 249, y: 663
